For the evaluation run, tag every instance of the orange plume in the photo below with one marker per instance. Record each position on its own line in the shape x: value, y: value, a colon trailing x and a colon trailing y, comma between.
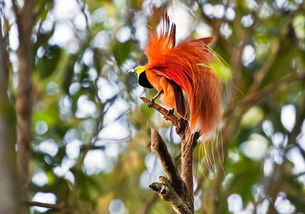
x: 186, y: 64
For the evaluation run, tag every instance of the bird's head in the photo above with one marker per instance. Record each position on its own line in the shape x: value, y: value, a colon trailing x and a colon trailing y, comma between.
x: 142, y: 79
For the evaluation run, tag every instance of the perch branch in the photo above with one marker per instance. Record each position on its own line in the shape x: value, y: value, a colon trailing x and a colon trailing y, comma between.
x: 180, y: 124
x: 158, y: 146
x: 183, y: 185
x: 167, y: 114
x: 168, y: 193
x: 188, y: 144
x: 170, y: 188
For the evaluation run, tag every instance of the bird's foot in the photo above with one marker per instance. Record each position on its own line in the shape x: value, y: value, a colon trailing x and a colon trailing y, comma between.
x: 169, y: 112
x: 150, y: 105
x: 182, y: 125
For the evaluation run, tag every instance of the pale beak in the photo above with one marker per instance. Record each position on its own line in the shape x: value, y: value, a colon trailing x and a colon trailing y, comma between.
x: 131, y: 70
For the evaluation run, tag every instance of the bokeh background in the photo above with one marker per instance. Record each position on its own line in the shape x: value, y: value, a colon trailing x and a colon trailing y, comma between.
x: 89, y: 149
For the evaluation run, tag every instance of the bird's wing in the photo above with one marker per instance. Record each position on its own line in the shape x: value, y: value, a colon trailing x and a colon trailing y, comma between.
x: 187, y: 65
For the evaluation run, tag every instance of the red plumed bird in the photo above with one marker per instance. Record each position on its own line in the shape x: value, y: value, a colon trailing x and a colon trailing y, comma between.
x: 173, y: 69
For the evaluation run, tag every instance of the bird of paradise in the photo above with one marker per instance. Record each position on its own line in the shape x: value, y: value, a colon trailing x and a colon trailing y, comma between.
x: 186, y: 68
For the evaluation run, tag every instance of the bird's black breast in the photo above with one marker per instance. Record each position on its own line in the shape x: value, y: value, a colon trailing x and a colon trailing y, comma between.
x: 143, y: 81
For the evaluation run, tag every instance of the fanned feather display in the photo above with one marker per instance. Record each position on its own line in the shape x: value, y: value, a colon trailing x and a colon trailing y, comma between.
x: 185, y: 64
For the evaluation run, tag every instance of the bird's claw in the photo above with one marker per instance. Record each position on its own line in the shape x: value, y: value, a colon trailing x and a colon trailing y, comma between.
x: 169, y: 112
x: 153, y: 99
x: 150, y: 105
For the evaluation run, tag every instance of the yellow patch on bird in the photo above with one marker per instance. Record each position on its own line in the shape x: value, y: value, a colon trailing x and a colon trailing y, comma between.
x: 140, y: 69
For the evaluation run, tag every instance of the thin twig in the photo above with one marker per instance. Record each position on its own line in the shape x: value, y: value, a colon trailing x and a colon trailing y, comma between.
x: 56, y: 207
x: 82, y: 5
x: 255, y: 97
x: 273, y: 54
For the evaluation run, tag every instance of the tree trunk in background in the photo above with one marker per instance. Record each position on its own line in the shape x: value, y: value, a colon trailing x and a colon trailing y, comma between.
x: 24, y: 98
x: 9, y: 200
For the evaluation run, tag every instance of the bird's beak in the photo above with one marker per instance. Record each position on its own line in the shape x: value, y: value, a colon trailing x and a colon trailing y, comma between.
x: 131, y: 70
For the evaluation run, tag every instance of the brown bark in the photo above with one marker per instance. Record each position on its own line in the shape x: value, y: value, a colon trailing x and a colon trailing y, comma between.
x: 56, y: 207
x: 173, y: 188
x: 188, y: 144
x: 170, y: 188
x: 8, y: 182
x: 24, y: 98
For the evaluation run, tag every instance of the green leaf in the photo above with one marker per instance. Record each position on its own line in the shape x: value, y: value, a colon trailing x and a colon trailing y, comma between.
x: 121, y: 51
x: 47, y: 64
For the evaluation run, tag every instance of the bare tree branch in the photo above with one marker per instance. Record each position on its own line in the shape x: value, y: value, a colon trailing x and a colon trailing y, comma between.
x: 170, y: 188
x: 255, y: 97
x: 183, y: 187
x: 158, y: 146
x: 273, y: 53
x: 179, y: 124
x: 56, y: 207
x: 168, y: 193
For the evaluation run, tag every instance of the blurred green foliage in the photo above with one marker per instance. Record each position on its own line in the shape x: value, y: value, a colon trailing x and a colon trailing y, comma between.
x: 91, y: 132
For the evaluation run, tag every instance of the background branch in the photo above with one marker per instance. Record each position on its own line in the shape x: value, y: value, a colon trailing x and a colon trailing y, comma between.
x: 9, y: 196
x: 55, y: 207
x: 255, y: 97
x: 24, y: 99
